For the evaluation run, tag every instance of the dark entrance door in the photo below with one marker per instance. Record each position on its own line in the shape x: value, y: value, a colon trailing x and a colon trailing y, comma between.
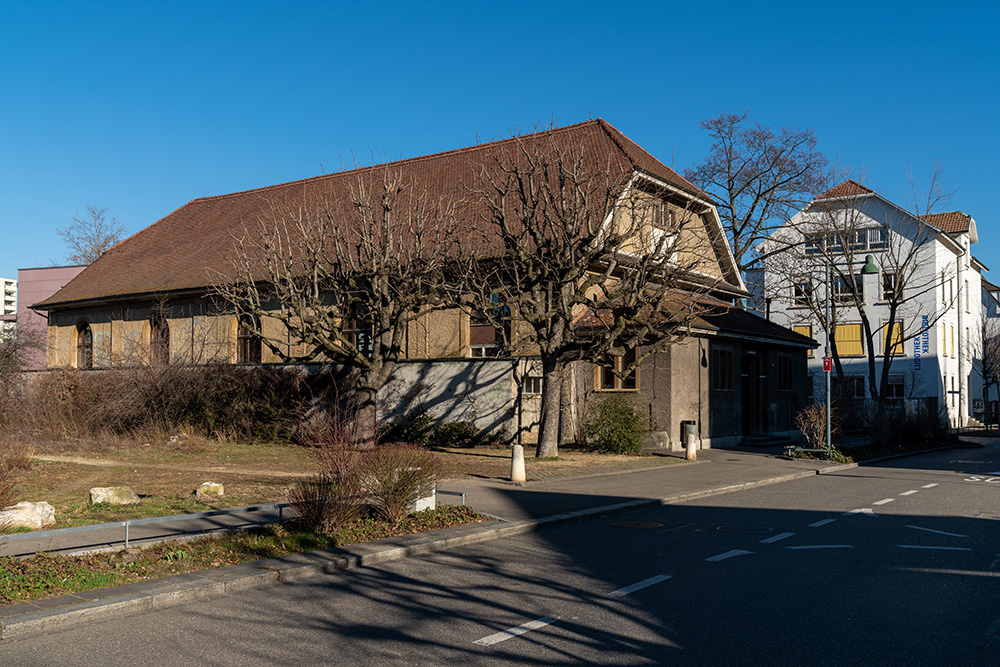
x: 750, y: 392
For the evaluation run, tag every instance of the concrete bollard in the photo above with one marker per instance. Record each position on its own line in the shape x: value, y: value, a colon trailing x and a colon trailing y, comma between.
x: 517, y: 465
x: 691, y: 451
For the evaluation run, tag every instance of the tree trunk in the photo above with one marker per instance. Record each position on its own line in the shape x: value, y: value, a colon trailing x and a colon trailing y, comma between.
x: 548, y: 432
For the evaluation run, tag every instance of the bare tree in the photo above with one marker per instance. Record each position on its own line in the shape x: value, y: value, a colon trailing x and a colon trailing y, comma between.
x: 343, y: 273
x: 585, y: 259
x: 91, y: 235
x: 986, y: 353
x: 757, y: 178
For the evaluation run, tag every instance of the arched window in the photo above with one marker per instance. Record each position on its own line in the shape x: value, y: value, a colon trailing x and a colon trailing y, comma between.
x: 248, y: 346
x: 84, y: 346
x: 159, y: 340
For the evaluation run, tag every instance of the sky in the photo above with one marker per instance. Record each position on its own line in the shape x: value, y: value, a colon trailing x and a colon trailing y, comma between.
x: 142, y: 107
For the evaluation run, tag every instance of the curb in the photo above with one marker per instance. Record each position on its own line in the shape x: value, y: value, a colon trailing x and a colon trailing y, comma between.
x: 30, y: 618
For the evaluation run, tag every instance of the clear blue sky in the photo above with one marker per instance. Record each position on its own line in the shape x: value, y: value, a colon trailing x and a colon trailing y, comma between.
x: 141, y: 108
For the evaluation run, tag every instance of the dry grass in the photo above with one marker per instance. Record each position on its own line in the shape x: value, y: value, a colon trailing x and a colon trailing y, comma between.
x: 15, y: 457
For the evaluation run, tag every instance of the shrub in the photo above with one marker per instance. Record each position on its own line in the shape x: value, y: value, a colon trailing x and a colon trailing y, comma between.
x: 397, y: 475
x: 614, y: 426
x: 811, y: 421
x: 15, y: 457
x: 335, y: 496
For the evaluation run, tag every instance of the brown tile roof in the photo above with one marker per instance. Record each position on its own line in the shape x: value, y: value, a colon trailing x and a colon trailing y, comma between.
x: 952, y: 222
x: 186, y: 249
x: 846, y: 189
x: 721, y: 317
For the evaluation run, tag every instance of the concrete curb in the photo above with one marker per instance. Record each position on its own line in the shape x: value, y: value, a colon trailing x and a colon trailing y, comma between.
x: 31, y: 618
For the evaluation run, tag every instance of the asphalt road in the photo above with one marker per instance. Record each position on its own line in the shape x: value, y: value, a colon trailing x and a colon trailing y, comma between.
x: 890, y: 565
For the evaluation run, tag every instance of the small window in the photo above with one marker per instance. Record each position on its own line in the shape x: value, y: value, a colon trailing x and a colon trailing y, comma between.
x: 532, y: 386
x: 802, y: 290
x: 843, y: 291
x: 847, y: 340
x: 858, y: 239
x: 84, y: 346
x: 721, y: 370
x: 876, y: 238
x: 248, y: 345
x: 813, y: 244
x: 952, y: 338
x: 894, y: 391
x: 852, y: 387
x: 612, y: 373
x: 785, y: 375
x: 805, y: 330
x: 888, y: 286
x: 489, y: 330
x: 358, y: 330
x: 663, y: 216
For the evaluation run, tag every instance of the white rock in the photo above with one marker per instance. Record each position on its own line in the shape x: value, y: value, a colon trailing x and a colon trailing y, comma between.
x: 210, y: 490
x: 28, y: 515
x: 113, y: 495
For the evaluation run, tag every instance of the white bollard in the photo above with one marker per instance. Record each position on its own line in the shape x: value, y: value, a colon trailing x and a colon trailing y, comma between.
x: 689, y: 441
x: 517, y: 465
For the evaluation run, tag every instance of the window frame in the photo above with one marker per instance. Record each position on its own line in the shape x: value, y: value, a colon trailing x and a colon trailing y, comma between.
x: 607, y: 376
x: 722, y: 370
x: 860, y: 339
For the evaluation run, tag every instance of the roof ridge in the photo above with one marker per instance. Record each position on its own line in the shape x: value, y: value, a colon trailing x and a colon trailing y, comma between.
x: 414, y: 159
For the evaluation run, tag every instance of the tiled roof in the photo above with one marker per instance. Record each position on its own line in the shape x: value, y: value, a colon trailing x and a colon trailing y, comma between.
x: 952, y: 222
x: 708, y: 313
x: 846, y: 189
x: 188, y: 249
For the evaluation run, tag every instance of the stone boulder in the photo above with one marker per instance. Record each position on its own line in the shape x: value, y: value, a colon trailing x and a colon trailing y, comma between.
x: 113, y: 495
x: 28, y: 515
x: 209, y: 490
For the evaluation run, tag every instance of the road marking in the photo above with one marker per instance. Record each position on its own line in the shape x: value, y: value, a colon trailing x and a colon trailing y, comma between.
x: 820, y: 523
x: 883, y: 501
x: 823, y: 546
x: 909, y: 493
x: 929, y: 486
x: 622, y: 592
x: 939, y: 532
x: 920, y: 546
x: 779, y: 536
x: 498, y: 637
x: 866, y: 510
x: 728, y: 554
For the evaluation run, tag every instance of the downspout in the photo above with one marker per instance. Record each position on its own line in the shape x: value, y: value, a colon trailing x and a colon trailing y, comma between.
x: 962, y: 380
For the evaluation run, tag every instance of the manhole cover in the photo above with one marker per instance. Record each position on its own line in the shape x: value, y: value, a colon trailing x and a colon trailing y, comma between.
x: 742, y: 529
x: 637, y: 524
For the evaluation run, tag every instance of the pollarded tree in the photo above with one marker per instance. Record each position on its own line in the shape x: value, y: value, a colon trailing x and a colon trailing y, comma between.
x: 343, y: 272
x: 587, y: 257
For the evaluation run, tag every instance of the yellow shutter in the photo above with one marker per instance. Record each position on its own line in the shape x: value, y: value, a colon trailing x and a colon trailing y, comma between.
x: 805, y: 330
x: 847, y: 340
x: 893, y: 338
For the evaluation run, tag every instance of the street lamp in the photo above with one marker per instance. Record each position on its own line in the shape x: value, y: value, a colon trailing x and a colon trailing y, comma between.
x: 869, y: 269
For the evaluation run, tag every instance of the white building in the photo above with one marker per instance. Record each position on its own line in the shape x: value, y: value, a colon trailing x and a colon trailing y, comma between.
x: 924, y: 305
x: 8, y: 302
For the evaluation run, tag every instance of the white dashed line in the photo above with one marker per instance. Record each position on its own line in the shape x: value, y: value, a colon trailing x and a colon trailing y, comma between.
x: 728, y: 554
x: 865, y: 510
x: 909, y: 493
x: 920, y: 546
x: 823, y: 546
x: 779, y: 536
x: 514, y: 632
x: 622, y: 592
x: 929, y: 486
x: 939, y: 532
x: 820, y: 523
x: 884, y: 501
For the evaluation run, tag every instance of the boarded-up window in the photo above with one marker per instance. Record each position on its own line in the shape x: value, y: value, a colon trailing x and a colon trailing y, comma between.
x: 847, y: 340
x: 84, y: 346
x: 785, y: 375
x: 159, y: 340
x: 248, y: 345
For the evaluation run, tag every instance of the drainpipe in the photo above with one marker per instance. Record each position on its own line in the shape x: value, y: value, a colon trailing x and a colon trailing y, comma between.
x: 961, y: 339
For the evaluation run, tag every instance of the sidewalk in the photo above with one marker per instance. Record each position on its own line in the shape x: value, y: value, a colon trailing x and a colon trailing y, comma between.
x: 518, y: 509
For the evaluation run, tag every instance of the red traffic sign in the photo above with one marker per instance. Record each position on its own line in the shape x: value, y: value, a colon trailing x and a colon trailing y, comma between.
x: 828, y: 364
